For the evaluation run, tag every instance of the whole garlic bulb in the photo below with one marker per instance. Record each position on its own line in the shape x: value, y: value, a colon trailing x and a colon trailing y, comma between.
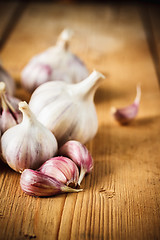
x: 28, y: 144
x: 68, y: 110
x: 56, y: 63
x: 7, y: 79
x: 10, y: 114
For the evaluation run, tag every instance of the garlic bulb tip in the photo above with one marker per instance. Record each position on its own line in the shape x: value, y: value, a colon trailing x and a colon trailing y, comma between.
x: 2, y: 86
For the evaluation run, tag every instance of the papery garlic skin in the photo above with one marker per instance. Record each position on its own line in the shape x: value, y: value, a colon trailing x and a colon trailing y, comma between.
x: 7, y: 79
x: 80, y: 155
x: 36, y: 183
x: 9, y: 114
x: 68, y: 110
x: 28, y: 144
x: 62, y: 169
x: 127, y: 114
x: 55, y: 64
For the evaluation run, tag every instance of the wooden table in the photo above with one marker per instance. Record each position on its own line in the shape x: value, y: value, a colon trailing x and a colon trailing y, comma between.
x: 121, y: 197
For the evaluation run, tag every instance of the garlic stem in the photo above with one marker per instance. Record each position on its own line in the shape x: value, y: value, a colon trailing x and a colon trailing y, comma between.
x: 88, y: 87
x: 64, y: 39
x: 68, y: 189
x: 2, y: 87
x: 27, y: 113
x: 81, y: 176
x: 5, y: 103
x: 138, y: 96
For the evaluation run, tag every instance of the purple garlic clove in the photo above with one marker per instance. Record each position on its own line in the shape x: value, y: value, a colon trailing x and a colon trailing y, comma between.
x: 62, y: 169
x: 80, y: 155
x: 36, y: 183
x: 127, y: 114
x: 10, y: 114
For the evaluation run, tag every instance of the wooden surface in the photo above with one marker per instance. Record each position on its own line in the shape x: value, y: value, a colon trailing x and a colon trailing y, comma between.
x: 121, y: 197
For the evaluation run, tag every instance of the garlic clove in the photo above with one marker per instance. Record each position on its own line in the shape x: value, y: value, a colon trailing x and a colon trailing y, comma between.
x: 55, y: 64
x: 7, y: 79
x: 10, y: 114
x: 36, y: 183
x: 28, y: 144
x: 80, y: 155
x: 62, y: 169
x: 68, y: 110
x: 127, y: 114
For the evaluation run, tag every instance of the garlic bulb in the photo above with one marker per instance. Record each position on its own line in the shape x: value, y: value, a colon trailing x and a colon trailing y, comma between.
x: 28, y: 144
x: 7, y: 79
x: 127, y: 114
x: 10, y: 114
x: 38, y: 184
x: 56, y: 63
x: 68, y: 110
x: 62, y: 169
x: 80, y: 155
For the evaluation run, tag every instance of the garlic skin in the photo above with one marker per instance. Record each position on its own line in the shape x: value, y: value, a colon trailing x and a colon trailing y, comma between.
x: 10, y: 114
x: 38, y: 184
x: 62, y: 169
x: 28, y: 144
x: 80, y: 155
x: 7, y: 79
x: 55, y: 64
x: 127, y: 114
x: 68, y: 110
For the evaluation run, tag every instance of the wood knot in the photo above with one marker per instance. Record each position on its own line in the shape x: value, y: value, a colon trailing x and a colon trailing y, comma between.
x: 108, y: 193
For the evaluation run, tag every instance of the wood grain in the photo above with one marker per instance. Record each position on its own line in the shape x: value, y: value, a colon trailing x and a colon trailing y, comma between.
x: 121, y: 197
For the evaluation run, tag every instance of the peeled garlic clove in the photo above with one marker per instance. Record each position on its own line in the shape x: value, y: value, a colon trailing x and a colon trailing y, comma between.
x: 80, y: 155
x: 62, y: 169
x: 36, y: 183
x: 68, y: 110
x: 7, y: 79
x: 56, y: 63
x: 127, y: 114
x: 9, y: 114
x: 28, y: 144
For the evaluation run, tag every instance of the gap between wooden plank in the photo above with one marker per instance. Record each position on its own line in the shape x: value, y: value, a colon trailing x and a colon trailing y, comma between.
x: 150, y: 38
x: 13, y: 20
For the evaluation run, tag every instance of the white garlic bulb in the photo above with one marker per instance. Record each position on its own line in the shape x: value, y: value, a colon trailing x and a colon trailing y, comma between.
x: 68, y: 110
x: 28, y: 144
x: 7, y: 79
x: 56, y: 63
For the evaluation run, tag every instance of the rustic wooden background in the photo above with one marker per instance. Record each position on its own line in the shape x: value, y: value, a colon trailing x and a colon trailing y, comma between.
x: 121, y: 198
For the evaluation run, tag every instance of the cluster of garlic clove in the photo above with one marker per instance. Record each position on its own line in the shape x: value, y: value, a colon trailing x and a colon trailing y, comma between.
x: 9, y: 114
x: 59, y: 174
x: 29, y: 143
x: 56, y: 63
x: 68, y: 110
x: 36, y: 183
x: 7, y: 79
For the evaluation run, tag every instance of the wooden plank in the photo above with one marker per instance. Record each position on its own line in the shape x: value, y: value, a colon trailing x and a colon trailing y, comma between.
x: 121, y: 198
